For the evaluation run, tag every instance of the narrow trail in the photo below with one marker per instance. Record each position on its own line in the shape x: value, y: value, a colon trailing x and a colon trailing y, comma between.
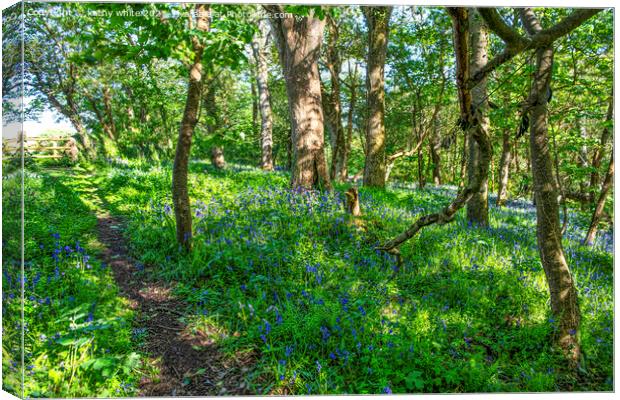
x: 189, y: 363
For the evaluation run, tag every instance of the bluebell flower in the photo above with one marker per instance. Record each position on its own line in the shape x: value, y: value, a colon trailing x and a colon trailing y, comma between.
x: 267, y: 327
x: 387, y: 390
x: 324, y: 333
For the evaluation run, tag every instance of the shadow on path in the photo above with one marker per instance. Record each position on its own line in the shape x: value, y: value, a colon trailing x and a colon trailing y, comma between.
x: 189, y: 364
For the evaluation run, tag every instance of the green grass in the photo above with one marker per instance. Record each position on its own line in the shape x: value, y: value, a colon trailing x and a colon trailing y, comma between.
x: 78, y: 332
x: 287, y: 277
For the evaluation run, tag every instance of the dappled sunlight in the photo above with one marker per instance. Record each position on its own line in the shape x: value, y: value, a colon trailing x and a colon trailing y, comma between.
x: 279, y: 273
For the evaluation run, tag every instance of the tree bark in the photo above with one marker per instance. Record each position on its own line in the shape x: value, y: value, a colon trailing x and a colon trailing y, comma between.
x: 504, y: 169
x: 344, y: 176
x: 254, y: 106
x: 464, y: 157
x: 353, y: 202
x: 478, y: 205
x: 102, y: 120
x: 417, y: 128
x: 582, y: 155
x: 333, y: 111
x: 180, y: 193
x: 217, y: 157
x: 299, y: 42
x: 261, y: 52
x: 600, y: 205
x: 210, y: 105
x: 562, y: 289
x: 435, y: 146
x: 377, y: 20
x: 107, y: 106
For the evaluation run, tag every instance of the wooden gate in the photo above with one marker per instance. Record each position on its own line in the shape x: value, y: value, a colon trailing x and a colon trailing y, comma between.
x: 54, y: 147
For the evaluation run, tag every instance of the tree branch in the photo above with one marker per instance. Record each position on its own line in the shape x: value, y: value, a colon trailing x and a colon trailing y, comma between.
x: 517, y: 44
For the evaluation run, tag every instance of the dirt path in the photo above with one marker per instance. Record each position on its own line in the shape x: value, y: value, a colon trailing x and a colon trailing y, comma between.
x: 190, y: 364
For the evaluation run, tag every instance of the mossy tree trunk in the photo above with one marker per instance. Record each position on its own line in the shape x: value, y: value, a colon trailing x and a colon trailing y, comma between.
x: 377, y: 20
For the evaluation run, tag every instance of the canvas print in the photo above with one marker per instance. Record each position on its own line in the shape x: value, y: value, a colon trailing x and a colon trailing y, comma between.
x: 204, y: 199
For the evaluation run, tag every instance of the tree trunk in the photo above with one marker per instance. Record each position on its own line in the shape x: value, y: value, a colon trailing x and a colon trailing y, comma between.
x: 210, y: 104
x: 261, y: 52
x: 217, y: 157
x: 516, y: 157
x: 289, y: 150
x: 299, y: 43
x: 562, y: 289
x: 333, y: 113
x: 582, y: 155
x: 102, y: 120
x: 107, y: 106
x: 180, y: 193
x: 435, y: 146
x: 344, y: 173
x: 417, y: 128
x: 504, y: 169
x: 464, y: 158
x: 478, y: 207
x: 131, y: 115
x: 455, y: 157
x: 598, y: 212
x: 377, y: 20
x: 254, y: 106
x: 353, y: 202
x: 600, y: 150
x: 83, y: 137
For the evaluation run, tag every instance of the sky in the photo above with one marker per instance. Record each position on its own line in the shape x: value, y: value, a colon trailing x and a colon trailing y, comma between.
x: 48, y: 120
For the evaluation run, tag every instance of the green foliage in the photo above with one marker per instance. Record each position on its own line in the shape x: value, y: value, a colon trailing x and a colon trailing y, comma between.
x: 77, y: 331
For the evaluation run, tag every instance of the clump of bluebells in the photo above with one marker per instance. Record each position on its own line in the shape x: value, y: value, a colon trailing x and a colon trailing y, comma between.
x: 289, y: 277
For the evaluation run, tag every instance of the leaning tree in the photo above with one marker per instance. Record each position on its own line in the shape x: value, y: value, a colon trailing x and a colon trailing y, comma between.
x: 561, y: 284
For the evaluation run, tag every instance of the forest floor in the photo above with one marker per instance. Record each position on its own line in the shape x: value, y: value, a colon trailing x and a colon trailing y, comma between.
x: 282, y: 294
x: 187, y: 363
